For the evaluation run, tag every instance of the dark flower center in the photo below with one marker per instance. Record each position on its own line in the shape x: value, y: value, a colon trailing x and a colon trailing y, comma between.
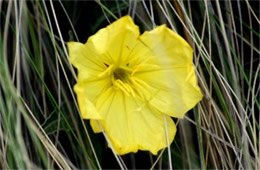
x: 121, y: 74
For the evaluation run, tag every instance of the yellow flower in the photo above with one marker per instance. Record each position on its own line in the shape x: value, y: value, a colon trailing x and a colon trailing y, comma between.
x: 128, y: 82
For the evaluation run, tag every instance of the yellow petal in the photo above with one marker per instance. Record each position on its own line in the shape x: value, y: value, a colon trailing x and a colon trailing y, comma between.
x: 87, y: 93
x: 89, y: 84
x: 116, y: 40
x: 87, y: 108
x: 131, y: 125
x: 173, y: 87
x: 161, y: 46
x: 88, y: 63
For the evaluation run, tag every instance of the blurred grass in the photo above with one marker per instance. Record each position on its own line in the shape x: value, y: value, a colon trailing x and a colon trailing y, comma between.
x: 40, y: 126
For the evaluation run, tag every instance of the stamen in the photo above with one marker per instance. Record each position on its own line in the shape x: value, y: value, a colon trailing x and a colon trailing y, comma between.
x: 107, y: 71
x: 141, y: 82
x: 120, y: 84
x: 139, y: 87
x: 120, y: 79
x: 130, y: 89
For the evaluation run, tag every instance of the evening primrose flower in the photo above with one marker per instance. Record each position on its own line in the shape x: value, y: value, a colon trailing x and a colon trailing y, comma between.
x: 131, y: 84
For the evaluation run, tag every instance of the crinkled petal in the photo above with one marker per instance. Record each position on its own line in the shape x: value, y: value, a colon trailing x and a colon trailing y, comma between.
x: 89, y: 84
x: 87, y: 93
x: 173, y: 88
x: 131, y: 125
x: 88, y: 63
x: 116, y: 40
x: 161, y: 46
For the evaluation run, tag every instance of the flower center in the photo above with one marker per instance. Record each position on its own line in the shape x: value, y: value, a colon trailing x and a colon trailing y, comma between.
x: 121, y: 74
x: 121, y: 79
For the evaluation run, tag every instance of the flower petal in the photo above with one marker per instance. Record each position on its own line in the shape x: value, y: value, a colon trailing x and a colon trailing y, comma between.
x: 88, y: 93
x: 116, y: 40
x: 131, y: 125
x: 88, y: 63
x: 161, y: 46
x: 89, y: 85
x: 173, y: 88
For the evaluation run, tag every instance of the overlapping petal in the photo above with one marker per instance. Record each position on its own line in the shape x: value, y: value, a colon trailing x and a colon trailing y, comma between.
x: 88, y: 92
x: 116, y: 40
x: 131, y: 125
x: 89, y: 65
x: 86, y: 60
x: 169, y: 72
